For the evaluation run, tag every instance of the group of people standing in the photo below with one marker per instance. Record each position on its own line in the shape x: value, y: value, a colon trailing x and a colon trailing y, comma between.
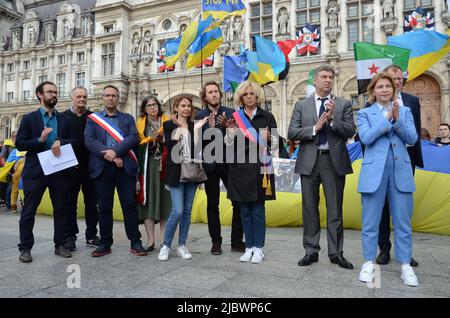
x: 154, y: 187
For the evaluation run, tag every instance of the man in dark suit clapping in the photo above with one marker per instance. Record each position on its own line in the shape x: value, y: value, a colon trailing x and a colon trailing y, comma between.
x: 42, y: 130
x: 323, y: 123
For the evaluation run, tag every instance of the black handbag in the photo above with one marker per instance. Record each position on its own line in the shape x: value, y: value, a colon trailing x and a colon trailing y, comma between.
x: 192, y: 171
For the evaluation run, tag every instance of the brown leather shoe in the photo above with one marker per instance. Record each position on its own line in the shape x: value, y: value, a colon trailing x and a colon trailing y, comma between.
x: 216, y: 249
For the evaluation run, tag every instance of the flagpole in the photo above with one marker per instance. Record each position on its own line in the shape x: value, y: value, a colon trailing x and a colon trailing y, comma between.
x: 168, y: 90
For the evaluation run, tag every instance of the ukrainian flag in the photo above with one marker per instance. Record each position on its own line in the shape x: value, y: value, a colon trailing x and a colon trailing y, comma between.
x: 192, y: 32
x: 266, y: 63
x: 427, y: 48
x: 220, y: 9
x: 203, y: 47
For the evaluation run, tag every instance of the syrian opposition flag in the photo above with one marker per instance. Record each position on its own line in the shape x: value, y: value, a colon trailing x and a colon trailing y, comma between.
x: 310, y: 88
x: 374, y: 58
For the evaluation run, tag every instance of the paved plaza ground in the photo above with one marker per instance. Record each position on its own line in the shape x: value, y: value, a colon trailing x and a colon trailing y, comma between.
x: 122, y: 274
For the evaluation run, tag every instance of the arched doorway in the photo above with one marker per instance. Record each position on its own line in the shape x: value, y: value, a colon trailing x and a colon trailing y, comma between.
x: 429, y: 92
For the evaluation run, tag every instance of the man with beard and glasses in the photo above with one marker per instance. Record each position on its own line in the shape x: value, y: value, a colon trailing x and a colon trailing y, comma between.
x: 211, y: 97
x: 41, y: 130
x: 77, y: 115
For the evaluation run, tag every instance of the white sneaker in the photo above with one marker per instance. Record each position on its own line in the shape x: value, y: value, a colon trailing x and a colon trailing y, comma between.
x: 247, y: 255
x: 367, y: 273
x: 164, y: 253
x: 258, y: 255
x: 408, y: 276
x: 183, y: 252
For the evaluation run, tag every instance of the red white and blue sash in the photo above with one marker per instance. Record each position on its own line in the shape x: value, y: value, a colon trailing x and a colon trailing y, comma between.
x: 113, y: 130
x: 249, y: 131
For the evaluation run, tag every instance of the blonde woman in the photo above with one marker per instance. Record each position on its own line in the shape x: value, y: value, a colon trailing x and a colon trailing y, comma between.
x: 252, y: 182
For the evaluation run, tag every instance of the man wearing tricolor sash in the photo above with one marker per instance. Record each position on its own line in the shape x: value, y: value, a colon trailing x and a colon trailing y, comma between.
x: 110, y: 137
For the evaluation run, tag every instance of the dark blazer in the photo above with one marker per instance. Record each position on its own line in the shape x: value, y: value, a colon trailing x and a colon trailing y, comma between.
x: 245, y: 179
x: 95, y: 141
x: 210, y: 167
x: 173, y: 169
x: 30, y: 130
x: 304, y: 118
x: 79, y: 124
x: 415, y: 153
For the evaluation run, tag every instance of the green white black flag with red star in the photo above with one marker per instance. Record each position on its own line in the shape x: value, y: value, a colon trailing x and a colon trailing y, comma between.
x: 371, y: 59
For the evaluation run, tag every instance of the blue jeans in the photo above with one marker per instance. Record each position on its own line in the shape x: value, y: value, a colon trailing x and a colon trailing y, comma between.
x: 182, y: 199
x: 253, y: 215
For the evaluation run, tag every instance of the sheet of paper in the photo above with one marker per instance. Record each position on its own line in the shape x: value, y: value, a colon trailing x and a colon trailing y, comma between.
x: 51, y: 164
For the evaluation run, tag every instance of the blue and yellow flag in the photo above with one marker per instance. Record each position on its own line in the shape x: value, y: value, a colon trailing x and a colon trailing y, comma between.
x: 192, y: 32
x: 266, y: 63
x: 203, y: 47
x: 427, y: 48
x: 220, y: 9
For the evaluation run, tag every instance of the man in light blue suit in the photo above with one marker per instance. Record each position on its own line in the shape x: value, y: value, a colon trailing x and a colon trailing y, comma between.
x: 385, y: 128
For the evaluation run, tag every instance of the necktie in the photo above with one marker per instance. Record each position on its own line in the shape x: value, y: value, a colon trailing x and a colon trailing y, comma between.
x: 323, y: 132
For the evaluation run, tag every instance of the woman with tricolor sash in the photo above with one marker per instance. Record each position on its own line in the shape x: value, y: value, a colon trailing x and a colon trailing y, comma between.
x: 251, y: 181
x: 153, y: 198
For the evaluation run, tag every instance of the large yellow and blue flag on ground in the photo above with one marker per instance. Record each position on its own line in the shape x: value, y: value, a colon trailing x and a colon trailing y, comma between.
x: 203, y: 47
x: 266, y: 63
x: 192, y: 32
x: 427, y: 48
x: 220, y: 9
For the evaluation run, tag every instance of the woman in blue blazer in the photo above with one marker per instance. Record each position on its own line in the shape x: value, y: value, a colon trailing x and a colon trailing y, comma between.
x: 385, y: 128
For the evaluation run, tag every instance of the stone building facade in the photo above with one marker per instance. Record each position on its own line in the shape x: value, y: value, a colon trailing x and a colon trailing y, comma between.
x: 95, y: 43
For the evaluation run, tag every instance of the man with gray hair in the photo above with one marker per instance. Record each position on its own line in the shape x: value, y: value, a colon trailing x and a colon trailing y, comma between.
x: 323, y: 123
x: 77, y: 115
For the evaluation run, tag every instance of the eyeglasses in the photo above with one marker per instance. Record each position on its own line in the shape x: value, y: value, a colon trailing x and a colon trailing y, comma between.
x: 152, y: 105
x: 51, y: 92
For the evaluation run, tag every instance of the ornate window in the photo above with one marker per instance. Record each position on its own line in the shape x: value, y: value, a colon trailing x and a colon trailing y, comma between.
x: 26, y: 89
x: 167, y: 24
x: 6, y: 127
x: 80, y: 57
x: 43, y: 62
x: 410, y: 5
x: 42, y: 79
x: 26, y: 65
x: 108, y: 56
x: 61, y: 84
x: 80, y: 79
x: 10, y: 67
x: 307, y: 11
x: 261, y: 20
x: 359, y: 22
x: 61, y: 59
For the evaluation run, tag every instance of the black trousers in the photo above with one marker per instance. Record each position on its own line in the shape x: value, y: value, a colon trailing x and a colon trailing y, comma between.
x: 212, y: 188
x: 34, y: 189
x: 105, y: 184
x: 384, y: 233
x: 80, y: 179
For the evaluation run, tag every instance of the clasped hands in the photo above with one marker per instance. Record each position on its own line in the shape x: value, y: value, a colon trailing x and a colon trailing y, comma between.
x: 327, y: 116
x: 111, y: 156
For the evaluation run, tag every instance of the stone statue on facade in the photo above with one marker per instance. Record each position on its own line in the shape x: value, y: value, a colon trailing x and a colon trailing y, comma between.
x: 283, y: 21
x: 136, y: 44
x: 147, y: 43
x: 32, y: 36
x: 333, y: 12
x: 225, y: 30
x: 237, y: 28
x: 2, y: 43
x: 388, y: 9
x: 89, y: 26
x: 182, y: 29
x: 49, y: 33
x: 15, y: 40
x: 69, y: 28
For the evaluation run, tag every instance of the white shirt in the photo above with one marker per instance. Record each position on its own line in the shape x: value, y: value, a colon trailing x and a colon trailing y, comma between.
x: 318, y: 104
